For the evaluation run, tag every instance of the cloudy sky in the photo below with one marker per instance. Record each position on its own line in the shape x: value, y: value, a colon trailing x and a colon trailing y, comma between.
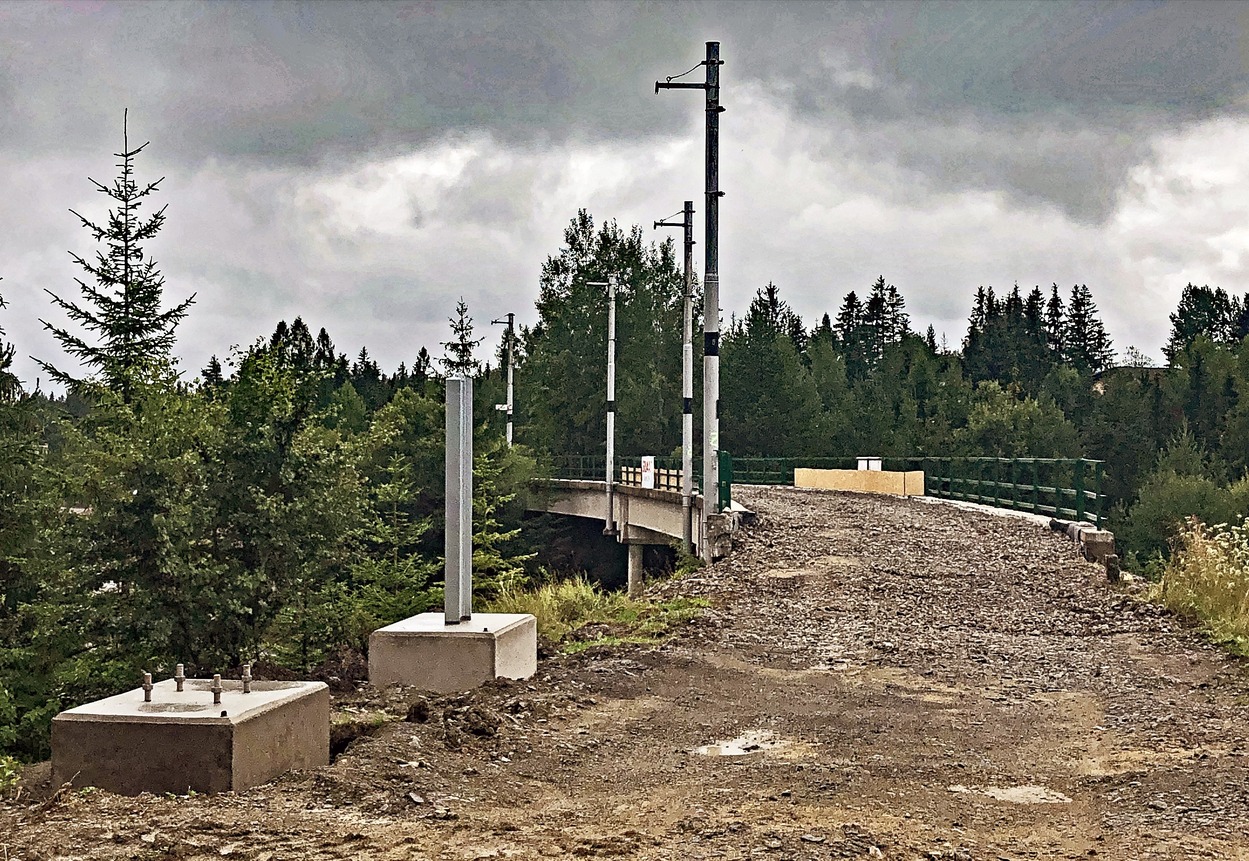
x: 366, y: 165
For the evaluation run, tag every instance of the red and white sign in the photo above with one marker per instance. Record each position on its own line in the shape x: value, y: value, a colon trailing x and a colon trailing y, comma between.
x: 648, y: 472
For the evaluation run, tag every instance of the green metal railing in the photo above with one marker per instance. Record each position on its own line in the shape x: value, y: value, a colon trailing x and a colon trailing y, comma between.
x: 1069, y: 488
x: 1060, y: 487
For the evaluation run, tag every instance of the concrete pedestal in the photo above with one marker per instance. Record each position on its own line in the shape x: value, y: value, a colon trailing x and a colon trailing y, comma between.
x: 183, y: 741
x: 637, y: 573
x: 425, y: 652
x: 1098, y: 544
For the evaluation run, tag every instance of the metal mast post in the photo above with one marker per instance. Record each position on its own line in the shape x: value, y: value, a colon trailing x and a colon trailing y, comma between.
x: 458, y: 593
x: 609, y: 523
x: 687, y: 376
x: 511, y: 361
x: 711, y: 282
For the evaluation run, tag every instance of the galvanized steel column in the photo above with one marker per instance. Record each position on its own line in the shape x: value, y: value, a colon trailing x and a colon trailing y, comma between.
x: 458, y: 593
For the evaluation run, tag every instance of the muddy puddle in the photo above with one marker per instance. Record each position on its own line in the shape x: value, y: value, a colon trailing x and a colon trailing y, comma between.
x: 751, y: 741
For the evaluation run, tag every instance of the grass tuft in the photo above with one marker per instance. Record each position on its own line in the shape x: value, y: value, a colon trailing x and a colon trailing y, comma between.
x: 577, y: 614
x: 1208, y: 578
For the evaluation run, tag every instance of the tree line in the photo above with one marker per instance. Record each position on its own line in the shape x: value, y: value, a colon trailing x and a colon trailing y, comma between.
x: 1035, y: 374
x: 287, y: 500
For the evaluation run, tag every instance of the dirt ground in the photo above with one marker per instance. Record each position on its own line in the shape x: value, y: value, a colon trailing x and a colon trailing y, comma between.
x: 877, y: 678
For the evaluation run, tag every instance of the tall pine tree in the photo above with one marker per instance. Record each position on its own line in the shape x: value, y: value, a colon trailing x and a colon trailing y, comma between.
x: 1087, y: 346
x: 121, y: 306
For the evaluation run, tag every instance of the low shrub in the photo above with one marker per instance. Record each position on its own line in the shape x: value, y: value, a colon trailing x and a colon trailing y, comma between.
x: 1207, y: 577
x: 577, y: 614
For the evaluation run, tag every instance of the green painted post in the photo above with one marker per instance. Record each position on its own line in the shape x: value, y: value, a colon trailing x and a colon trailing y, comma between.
x: 1036, y: 487
x: 725, y: 460
x: 1014, y: 482
x: 1098, y: 480
x: 1079, y: 483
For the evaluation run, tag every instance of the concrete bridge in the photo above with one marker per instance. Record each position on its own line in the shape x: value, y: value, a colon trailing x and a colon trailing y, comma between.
x: 642, y: 516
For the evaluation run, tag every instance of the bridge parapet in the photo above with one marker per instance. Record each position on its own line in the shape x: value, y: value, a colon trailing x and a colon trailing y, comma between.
x: 642, y: 515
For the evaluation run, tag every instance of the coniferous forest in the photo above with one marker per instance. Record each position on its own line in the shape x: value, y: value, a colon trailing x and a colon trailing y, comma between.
x: 282, y: 502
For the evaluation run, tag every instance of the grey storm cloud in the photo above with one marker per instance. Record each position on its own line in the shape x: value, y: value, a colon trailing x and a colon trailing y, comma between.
x: 293, y: 82
x: 299, y: 83
x: 1049, y: 102
x: 896, y: 114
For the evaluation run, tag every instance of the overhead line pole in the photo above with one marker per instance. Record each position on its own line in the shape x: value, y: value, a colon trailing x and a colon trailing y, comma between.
x: 711, y: 282
x: 609, y: 524
x: 687, y: 376
x: 511, y: 361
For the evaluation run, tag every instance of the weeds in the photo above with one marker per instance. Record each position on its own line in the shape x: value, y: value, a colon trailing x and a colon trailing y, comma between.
x: 577, y: 614
x: 1208, y: 578
x: 10, y: 773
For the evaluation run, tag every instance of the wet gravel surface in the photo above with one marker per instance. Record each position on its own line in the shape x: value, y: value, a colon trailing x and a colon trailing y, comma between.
x: 875, y: 678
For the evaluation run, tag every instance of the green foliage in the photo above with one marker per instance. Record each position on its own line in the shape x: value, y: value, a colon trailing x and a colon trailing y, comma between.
x: 1208, y: 578
x: 459, y: 361
x: 778, y: 405
x: 501, y: 476
x: 1002, y: 426
x: 1179, y: 489
x: 10, y: 773
x: 567, y: 608
x: 1209, y: 313
x: 122, y: 306
x: 561, y: 368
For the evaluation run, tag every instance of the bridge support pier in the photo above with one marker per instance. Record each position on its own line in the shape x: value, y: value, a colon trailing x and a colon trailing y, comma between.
x: 637, y: 574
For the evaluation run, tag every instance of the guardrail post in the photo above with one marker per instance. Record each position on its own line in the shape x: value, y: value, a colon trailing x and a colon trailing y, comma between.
x: 1014, y: 483
x: 1097, y: 478
x: 1079, y: 488
x: 1036, y: 487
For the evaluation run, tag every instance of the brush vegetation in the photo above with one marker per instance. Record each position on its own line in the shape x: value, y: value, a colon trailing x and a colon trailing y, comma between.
x: 577, y: 614
x: 1208, y: 578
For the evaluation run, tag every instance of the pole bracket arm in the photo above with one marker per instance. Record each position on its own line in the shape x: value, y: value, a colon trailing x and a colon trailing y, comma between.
x: 677, y: 85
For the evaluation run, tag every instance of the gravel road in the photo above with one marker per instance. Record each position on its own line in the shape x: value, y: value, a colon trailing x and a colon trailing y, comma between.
x: 876, y: 678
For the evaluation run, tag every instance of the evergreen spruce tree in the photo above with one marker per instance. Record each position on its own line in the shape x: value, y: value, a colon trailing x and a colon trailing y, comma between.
x: 1203, y: 311
x: 459, y: 361
x: 849, y: 319
x: 121, y: 308
x: 1087, y: 346
x: 1054, y: 325
x: 850, y: 329
x: 1034, y: 315
x: 10, y: 386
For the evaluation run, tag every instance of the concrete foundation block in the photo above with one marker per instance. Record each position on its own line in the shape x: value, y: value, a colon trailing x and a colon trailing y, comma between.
x: 862, y: 481
x: 1098, y: 544
x: 425, y: 652
x: 182, y: 741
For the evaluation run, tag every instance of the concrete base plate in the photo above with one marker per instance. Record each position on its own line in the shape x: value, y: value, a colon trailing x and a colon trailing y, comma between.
x: 425, y: 652
x: 183, y: 741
